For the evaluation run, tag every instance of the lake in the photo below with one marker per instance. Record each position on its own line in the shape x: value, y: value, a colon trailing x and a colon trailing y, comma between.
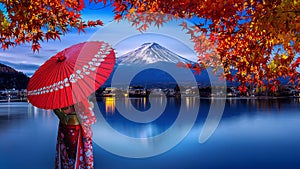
x: 164, y: 133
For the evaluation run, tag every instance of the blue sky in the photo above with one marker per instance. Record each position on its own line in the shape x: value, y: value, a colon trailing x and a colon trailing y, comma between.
x: 121, y: 35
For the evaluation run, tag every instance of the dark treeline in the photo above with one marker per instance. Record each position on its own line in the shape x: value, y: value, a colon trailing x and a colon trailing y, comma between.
x: 10, y: 78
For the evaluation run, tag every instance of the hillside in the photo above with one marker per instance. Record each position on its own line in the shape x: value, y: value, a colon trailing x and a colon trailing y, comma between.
x: 10, y: 78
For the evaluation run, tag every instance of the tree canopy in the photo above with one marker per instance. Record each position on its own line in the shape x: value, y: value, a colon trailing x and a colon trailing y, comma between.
x: 260, y: 39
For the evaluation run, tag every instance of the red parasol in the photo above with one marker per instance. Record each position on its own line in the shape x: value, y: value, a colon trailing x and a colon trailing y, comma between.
x: 71, y: 75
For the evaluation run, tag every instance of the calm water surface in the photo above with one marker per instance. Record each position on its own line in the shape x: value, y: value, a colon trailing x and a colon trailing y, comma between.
x: 253, y: 133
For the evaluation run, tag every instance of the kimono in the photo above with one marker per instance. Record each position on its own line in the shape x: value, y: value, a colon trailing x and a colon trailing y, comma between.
x: 74, y: 140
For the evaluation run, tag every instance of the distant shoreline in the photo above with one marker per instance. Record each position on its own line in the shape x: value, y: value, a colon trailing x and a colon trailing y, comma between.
x: 239, y: 97
x: 13, y: 100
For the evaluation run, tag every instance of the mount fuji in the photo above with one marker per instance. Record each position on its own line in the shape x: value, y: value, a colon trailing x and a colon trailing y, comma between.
x: 152, y: 66
x: 149, y: 53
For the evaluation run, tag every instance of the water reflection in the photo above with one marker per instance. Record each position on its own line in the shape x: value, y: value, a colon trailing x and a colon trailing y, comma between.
x: 119, y: 121
x: 12, y: 110
x: 261, y: 105
x: 192, y: 101
x: 35, y: 112
x: 241, y: 104
x: 142, y: 138
x: 253, y: 133
x: 110, y: 104
x: 143, y: 103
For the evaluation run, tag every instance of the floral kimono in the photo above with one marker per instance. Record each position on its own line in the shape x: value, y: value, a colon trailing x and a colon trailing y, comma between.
x: 74, y: 141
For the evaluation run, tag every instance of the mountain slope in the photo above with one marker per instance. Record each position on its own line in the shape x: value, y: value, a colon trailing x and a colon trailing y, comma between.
x: 153, y: 76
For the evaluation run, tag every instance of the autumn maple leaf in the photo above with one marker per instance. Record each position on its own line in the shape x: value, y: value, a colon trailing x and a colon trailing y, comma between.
x: 4, y: 46
x: 36, y: 47
x: 296, y: 63
x: 117, y: 17
x: 242, y: 88
x: 99, y: 22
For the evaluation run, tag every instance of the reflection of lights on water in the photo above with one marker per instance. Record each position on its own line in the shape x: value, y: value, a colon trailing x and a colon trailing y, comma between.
x: 46, y: 113
x: 161, y: 101
x: 110, y: 103
x: 126, y: 101
x: 29, y: 110
x: 146, y: 132
x: 230, y: 101
x: 8, y: 111
x: 141, y: 103
x: 190, y: 102
x: 138, y: 103
x: 35, y: 112
x: 187, y: 102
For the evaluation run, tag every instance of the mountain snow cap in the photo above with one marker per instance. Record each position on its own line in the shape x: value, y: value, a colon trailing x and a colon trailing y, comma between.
x: 149, y: 53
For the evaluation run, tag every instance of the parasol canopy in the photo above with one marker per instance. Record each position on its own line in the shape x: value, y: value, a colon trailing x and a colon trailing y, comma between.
x: 71, y: 75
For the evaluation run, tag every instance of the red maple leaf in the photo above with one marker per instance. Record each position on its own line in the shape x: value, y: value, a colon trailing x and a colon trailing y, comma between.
x: 36, y: 47
x: 296, y: 63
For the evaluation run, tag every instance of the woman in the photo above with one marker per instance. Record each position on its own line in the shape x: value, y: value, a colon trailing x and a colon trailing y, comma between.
x: 74, y: 141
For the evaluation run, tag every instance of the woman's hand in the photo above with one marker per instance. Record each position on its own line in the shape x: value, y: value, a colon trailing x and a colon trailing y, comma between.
x: 68, y: 110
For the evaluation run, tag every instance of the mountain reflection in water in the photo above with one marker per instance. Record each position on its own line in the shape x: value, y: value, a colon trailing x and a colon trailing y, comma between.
x: 253, y: 133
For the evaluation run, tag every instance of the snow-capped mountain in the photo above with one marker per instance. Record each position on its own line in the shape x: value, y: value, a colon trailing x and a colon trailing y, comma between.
x: 152, y: 65
x: 150, y: 53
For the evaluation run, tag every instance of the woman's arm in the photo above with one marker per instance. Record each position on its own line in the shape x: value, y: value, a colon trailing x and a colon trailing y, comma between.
x: 59, y: 113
